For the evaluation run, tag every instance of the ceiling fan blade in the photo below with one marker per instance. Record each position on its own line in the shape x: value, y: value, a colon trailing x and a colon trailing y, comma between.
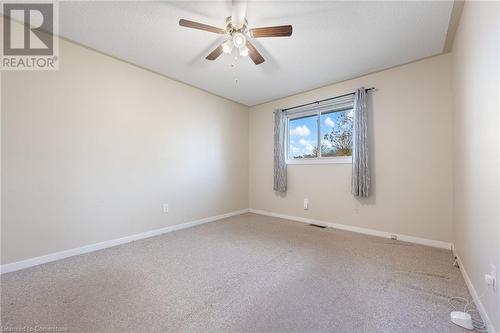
x: 201, y: 26
x: 239, y: 11
x: 279, y: 31
x: 254, y: 54
x: 215, y: 53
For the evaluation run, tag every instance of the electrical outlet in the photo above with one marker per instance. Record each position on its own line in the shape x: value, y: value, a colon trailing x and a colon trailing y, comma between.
x: 165, y: 208
x: 306, y: 204
x: 491, y: 278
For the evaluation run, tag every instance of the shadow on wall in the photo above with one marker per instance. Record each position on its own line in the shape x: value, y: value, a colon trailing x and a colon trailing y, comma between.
x: 280, y: 194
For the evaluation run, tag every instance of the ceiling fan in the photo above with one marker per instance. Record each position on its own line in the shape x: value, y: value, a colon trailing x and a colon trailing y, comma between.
x: 238, y: 34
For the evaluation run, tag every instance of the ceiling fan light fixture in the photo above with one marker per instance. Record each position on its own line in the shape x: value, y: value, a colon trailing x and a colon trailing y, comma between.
x: 239, y: 40
x: 244, y: 51
x: 227, y: 47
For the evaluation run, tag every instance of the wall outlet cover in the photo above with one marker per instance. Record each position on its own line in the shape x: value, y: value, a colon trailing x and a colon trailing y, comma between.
x: 493, y: 273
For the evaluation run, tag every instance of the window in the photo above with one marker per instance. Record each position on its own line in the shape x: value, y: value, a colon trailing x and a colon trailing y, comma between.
x: 328, y: 127
x: 303, y: 137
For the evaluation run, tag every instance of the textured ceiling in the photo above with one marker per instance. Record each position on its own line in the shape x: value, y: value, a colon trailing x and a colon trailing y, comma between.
x: 331, y: 41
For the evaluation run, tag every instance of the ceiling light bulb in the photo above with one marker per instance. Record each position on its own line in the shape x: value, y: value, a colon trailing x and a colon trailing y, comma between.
x: 239, y: 40
x: 227, y: 47
x: 244, y: 51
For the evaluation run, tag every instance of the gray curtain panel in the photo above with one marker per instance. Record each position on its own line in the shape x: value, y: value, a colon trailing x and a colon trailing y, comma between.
x: 360, y: 169
x: 279, y: 151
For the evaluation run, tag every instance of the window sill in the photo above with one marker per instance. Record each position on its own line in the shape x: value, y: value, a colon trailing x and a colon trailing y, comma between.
x: 337, y: 160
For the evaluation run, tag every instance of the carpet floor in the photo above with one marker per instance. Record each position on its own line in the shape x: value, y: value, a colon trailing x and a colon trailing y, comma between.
x: 248, y: 273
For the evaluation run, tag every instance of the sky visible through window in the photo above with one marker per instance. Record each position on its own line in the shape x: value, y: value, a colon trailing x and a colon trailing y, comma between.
x: 335, y: 135
x: 303, y: 137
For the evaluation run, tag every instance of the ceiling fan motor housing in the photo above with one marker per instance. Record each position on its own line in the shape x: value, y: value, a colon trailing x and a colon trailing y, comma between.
x: 231, y: 29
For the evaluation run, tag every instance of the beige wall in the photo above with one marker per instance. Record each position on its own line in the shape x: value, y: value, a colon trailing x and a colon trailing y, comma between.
x: 476, y: 94
x: 410, y: 129
x: 90, y: 153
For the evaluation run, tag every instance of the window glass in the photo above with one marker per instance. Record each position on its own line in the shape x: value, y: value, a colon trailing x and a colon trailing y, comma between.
x: 303, y: 137
x: 336, y: 133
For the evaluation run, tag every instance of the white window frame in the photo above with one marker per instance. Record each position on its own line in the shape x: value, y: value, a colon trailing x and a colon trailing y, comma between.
x: 317, y: 111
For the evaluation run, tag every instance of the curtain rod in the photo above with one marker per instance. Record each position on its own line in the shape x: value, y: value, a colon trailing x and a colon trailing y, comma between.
x: 324, y: 100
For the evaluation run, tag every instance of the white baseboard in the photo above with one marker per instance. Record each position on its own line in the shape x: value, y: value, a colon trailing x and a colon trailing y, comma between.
x: 11, y: 267
x: 15, y: 266
x: 474, y: 294
x: 372, y: 232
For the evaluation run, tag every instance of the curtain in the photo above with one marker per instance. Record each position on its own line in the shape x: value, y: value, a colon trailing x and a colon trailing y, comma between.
x: 360, y: 169
x: 279, y: 151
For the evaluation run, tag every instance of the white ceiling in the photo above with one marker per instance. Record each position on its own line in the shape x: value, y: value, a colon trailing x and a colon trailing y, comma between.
x: 331, y: 41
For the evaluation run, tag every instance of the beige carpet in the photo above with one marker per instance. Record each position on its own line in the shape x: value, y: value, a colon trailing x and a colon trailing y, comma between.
x: 248, y: 273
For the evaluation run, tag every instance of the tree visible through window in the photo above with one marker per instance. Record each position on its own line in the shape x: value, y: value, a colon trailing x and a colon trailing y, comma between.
x: 336, y: 133
x: 331, y: 131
